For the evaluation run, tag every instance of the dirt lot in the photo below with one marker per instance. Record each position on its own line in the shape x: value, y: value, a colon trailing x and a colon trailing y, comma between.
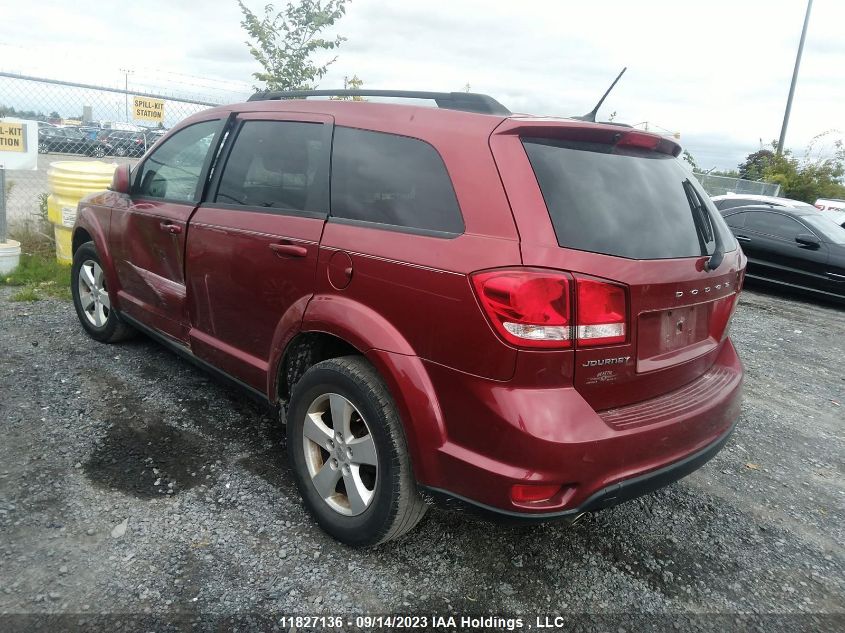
x: 95, y: 439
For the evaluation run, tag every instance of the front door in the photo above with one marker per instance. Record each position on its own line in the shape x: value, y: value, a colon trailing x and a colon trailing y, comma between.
x: 253, y: 244
x: 768, y: 239
x: 149, y: 235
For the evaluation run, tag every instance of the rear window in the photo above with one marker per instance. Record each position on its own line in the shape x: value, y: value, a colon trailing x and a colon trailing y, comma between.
x: 392, y: 180
x: 626, y: 203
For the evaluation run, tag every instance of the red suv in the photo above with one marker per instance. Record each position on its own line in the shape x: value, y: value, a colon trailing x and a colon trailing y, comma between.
x: 528, y: 315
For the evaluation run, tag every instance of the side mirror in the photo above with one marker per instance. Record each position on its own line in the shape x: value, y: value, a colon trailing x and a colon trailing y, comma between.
x: 120, y: 179
x: 809, y: 240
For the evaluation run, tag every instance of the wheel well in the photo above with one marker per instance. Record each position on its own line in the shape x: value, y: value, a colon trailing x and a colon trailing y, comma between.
x: 305, y: 350
x: 80, y: 236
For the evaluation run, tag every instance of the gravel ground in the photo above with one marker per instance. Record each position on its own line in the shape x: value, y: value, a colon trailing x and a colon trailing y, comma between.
x: 130, y: 482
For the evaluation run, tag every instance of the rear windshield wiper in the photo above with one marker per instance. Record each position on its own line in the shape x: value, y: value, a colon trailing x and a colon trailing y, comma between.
x: 705, y: 227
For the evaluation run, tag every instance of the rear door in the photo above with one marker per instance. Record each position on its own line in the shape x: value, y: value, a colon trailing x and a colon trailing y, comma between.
x: 253, y: 244
x: 148, y: 237
x: 618, y: 207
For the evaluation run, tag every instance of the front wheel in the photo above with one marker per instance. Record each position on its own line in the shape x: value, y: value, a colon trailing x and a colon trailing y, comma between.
x: 349, y: 455
x: 99, y: 152
x: 91, y: 298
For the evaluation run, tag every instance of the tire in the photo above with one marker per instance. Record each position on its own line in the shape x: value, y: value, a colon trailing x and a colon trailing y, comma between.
x: 93, y: 307
x: 120, y: 151
x: 394, y: 506
x: 99, y: 152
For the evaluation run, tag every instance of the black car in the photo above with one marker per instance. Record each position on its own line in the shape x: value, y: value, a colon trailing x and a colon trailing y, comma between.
x: 800, y: 249
x: 125, y: 143
x: 68, y: 140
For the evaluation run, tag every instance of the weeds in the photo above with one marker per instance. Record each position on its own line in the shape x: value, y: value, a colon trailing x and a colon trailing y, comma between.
x: 39, y: 275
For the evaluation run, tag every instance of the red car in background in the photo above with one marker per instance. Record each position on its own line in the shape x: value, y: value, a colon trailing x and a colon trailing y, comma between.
x: 526, y: 314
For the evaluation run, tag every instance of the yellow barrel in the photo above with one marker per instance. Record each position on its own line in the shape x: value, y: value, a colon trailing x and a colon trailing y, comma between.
x: 70, y: 181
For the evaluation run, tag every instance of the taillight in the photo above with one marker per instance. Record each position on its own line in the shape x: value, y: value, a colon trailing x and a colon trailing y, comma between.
x: 532, y: 307
x: 601, y: 312
x: 529, y: 308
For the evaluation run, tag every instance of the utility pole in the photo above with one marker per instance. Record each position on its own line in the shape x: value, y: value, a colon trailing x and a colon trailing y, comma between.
x: 782, y: 139
x: 126, y: 72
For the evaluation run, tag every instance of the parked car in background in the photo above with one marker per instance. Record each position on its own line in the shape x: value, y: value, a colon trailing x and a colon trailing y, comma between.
x: 801, y: 249
x: 124, y: 143
x: 830, y: 204
x: 732, y: 200
x: 526, y: 315
x: 70, y: 140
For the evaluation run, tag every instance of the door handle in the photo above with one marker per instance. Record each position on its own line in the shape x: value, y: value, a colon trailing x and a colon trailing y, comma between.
x: 170, y: 227
x: 742, y: 238
x: 836, y: 277
x: 289, y: 250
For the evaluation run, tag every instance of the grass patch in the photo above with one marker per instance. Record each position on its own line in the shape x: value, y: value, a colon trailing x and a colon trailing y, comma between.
x: 28, y: 293
x: 39, y: 275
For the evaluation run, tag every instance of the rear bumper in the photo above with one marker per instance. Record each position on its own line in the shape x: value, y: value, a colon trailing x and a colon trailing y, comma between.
x: 497, y: 435
x: 607, y: 497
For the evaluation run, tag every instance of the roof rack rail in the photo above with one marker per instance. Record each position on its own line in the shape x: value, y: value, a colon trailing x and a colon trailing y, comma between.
x: 465, y: 101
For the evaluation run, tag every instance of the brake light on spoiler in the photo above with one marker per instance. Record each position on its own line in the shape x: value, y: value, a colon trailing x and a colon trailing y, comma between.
x: 539, y: 308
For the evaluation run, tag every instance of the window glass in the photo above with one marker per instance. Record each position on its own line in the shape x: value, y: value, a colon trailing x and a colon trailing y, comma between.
x: 773, y: 224
x: 622, y: 202
x: 826, y: 227
x: 276, y: 165
x: 735, y: 221
x: 173, y: 170
x: 393, y: 180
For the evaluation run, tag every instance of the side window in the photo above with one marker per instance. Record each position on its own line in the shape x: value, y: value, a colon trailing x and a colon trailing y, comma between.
x: 276, y: 165
x: 173, y: 171
x: 393, y: 180
x: 773, y: 224
x: 735, y: 221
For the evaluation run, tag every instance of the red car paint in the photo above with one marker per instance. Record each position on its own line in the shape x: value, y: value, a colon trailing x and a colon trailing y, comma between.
x: 233, y: 287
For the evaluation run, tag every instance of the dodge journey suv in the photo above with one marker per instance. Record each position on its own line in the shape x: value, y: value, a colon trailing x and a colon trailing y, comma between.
x: 524, y: 315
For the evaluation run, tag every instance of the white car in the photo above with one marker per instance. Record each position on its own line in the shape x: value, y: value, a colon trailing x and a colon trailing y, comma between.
x: 732, y: 200
x: 830, y: 204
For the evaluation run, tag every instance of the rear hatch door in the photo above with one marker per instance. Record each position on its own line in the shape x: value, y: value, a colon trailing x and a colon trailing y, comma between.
x: 616, y: 204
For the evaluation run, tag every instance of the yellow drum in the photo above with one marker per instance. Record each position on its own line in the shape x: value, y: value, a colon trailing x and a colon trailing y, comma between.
x: 70, y: 181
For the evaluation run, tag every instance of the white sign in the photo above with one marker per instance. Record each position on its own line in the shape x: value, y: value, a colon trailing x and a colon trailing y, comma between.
x: 18, y: 144
x: 68, y: 216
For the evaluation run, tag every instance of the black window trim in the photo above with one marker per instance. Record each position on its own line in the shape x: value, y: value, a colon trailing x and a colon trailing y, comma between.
x: 397, y: 228
x: 237, y: 124
x: 202, y: 182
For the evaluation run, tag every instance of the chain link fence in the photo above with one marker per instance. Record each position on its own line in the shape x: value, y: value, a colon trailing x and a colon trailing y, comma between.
x: 81, y: 122
x: 721, y: 185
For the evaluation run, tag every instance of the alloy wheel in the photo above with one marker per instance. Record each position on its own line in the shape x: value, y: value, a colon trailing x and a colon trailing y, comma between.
x: 93, y: 296
x: 340, y: 454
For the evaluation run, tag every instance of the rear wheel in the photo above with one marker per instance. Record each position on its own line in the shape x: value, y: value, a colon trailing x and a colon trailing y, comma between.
x: 91, y: 298
x: 349, y: 454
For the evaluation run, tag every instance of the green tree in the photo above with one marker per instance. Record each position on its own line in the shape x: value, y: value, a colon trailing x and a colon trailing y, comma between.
x: 686, y: 157
x: 807, y: 179
x: 285, y: 41
x: 353, y: 83
x: 754, y: 166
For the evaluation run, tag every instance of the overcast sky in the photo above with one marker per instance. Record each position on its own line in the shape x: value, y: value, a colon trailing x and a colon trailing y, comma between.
x: 717, y: 72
